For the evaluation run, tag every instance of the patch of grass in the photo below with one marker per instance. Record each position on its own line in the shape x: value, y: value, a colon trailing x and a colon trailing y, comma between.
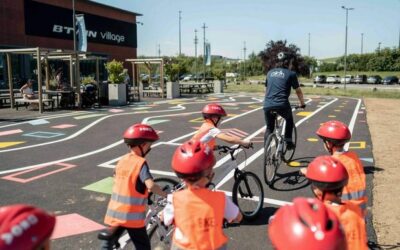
x: 379, y: 93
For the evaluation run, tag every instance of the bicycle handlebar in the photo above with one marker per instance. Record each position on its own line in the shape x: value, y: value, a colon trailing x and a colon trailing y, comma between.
x: 298, y: 106
x: 231, y: 150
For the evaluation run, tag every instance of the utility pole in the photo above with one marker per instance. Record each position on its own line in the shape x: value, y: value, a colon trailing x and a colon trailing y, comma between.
x: 362, y: 42
x: 379, y: 47
x: 180, y: 18
x: 244, y: 60
x: 309, y: 44
x: 74, y: 24
x: 345, y: 46
x: 204, y: 27
x: 195, y: 54
x: 159, y: 50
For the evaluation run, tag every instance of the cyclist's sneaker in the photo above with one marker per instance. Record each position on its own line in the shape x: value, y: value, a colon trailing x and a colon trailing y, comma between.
x: 290, y: 145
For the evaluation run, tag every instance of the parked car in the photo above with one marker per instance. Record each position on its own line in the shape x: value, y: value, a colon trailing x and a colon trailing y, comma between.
x: 333, y: 79
x: 360, y: 79
x: 374, y: 79
x: 320, y: 79
x: 390, y: 80
x: 348, y: 79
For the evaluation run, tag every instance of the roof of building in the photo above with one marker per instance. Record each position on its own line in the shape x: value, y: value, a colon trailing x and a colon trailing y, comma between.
x: 115, y: 8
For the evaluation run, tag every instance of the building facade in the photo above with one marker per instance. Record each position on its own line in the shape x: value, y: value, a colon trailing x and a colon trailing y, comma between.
x: 111, y: 32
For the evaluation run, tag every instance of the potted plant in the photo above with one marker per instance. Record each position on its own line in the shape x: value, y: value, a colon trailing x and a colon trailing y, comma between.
x: 116, y: 87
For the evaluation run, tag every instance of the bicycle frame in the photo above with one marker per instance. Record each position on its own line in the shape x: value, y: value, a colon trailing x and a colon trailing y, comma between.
x: 280, y: 128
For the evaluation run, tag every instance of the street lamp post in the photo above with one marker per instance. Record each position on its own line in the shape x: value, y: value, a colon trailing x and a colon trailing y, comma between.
x: 244, y: 61
x: 74, y: 24
x: 309, y: 44
x: 379, y: 47
x: 180, y: 18
x: 204, y: 49
x: 195, y: 54
x: 362, y: 42
x: 345, y: 46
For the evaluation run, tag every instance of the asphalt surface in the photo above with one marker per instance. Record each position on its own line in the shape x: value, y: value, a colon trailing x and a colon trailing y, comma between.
x: 62, y: 161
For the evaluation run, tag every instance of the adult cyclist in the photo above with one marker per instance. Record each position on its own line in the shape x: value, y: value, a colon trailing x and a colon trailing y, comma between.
x: 278, y: 85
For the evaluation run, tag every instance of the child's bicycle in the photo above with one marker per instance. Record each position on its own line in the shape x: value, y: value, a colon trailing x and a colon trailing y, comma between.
x: 159, y: 234
x: 247, y: 191
x: 275, y: 150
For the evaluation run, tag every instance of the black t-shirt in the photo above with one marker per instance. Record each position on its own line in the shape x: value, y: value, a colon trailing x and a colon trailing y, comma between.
x: 279, y: 83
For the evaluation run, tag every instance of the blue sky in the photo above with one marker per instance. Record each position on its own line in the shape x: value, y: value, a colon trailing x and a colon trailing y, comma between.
x: 231, y: 22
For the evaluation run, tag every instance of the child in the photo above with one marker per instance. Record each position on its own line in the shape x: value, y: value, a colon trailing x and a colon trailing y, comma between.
x: 328, y: 177
x: 335, y: 135
x: 132, y: 181
x: 306, y: 224
x: 212, y: 114
x: 25, y: 227
x: 197, y: 212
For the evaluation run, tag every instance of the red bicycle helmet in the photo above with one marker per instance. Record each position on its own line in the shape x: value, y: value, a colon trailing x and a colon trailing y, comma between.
x: 306, y: 224
x: 139, y: 133
x: 24, y: 227
x: 327, y: 173
x: 213, y: 109
x: 334, y: 131
x: 192, y: 158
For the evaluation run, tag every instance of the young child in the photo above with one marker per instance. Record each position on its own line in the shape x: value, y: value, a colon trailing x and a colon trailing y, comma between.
x: 306, y: 224
x: 25, y: 227
x: 132, y: 181
x: 197, y: 212
x: 328, y: 176
x: 212, y: 114
x: 335, y: 135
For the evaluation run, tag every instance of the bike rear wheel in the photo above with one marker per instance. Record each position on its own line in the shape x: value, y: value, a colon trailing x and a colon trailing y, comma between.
x: 156, y: 240
x: 271, y: 162
x: 248, y: 195
x: 288, y: 154
x: 166, y: 185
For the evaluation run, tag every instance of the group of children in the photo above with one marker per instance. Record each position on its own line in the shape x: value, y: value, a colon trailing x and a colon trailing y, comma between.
x: 334, y: 219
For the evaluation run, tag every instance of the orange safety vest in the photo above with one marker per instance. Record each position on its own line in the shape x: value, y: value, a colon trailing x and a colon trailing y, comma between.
x: 355, y: 190
x: 353, y: 223
x: 203, y: 130
x: 198, y: 219
x: 127, y: 206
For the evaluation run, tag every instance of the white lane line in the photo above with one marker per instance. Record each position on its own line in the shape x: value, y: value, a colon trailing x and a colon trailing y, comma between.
x: 165, y: 173
x: 353, y: 122
x: 266, y: 200
x: 261, y: 151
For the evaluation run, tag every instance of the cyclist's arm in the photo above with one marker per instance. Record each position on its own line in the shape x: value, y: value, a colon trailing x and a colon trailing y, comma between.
x: 153, y: 187
x: 232, y: 139
x: 299, y: 94
x: 167, y: 214
x: 232, y: 212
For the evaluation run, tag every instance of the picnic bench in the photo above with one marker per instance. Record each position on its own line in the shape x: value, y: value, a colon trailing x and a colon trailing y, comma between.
x: 25, y: 102
x: 196, y: 87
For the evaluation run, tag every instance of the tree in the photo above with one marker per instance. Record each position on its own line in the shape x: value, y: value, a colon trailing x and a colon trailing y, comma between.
x: 269, y: 57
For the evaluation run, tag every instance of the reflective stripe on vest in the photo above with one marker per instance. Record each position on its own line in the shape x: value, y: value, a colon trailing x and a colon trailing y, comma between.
x: 127, y: 206
x: 354, y: 195
x: 126, y: 216
x: 128, y: 200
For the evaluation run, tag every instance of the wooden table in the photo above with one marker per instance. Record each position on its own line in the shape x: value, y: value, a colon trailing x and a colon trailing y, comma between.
x: 59, y: 93
x: 196, y: 87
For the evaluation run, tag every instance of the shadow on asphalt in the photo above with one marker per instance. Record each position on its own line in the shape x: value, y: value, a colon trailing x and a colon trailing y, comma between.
x: 289, y: 181
x: 263, y: 217
x: 372, y: 169
x: 17, y: 119
x: 376, y: 246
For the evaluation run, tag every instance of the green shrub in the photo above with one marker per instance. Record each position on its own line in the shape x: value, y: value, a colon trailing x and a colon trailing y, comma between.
x: 115, y: 70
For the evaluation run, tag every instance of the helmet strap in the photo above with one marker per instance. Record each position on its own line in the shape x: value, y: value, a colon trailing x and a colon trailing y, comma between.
x: 328, y: 146
x: 143, y: 154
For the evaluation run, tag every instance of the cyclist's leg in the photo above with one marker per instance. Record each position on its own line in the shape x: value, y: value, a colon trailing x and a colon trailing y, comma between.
x: 269, y: 122
x: 139, y: 238
x: 286, y: 113
x: 109, y: 244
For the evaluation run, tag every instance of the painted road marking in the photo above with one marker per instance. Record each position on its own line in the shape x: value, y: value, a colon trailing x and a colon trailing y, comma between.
x: 370, y: 160
x: 294, y: 164
x: 88, y: 116
x: 331, y: 116
x: 141, y: 108
x: 357, y: 144
x: 41, y: 134
x: 62, y: 126
x: 266, y: 200
x: 11, y: 132
x: 353, y: 122
x: 337, y: 110
x: 255, y: 106
x: 154, y: 121
x: 13, y: 177
x: 38, y: 122
x: 73, y: 224
x: 102, y: 186
x: 304, y: 113
x: 312, y: 139
x: 235, y: 132
x: 198, y: 120
x: 10, y: 143
x: 116, y: 110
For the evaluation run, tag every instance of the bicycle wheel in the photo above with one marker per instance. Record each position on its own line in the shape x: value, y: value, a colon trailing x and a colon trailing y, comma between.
x: 270, y: 159
x: 288, y: 154
x: 248, y: 195
x: 166, y: 184
x: 158, y: 239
